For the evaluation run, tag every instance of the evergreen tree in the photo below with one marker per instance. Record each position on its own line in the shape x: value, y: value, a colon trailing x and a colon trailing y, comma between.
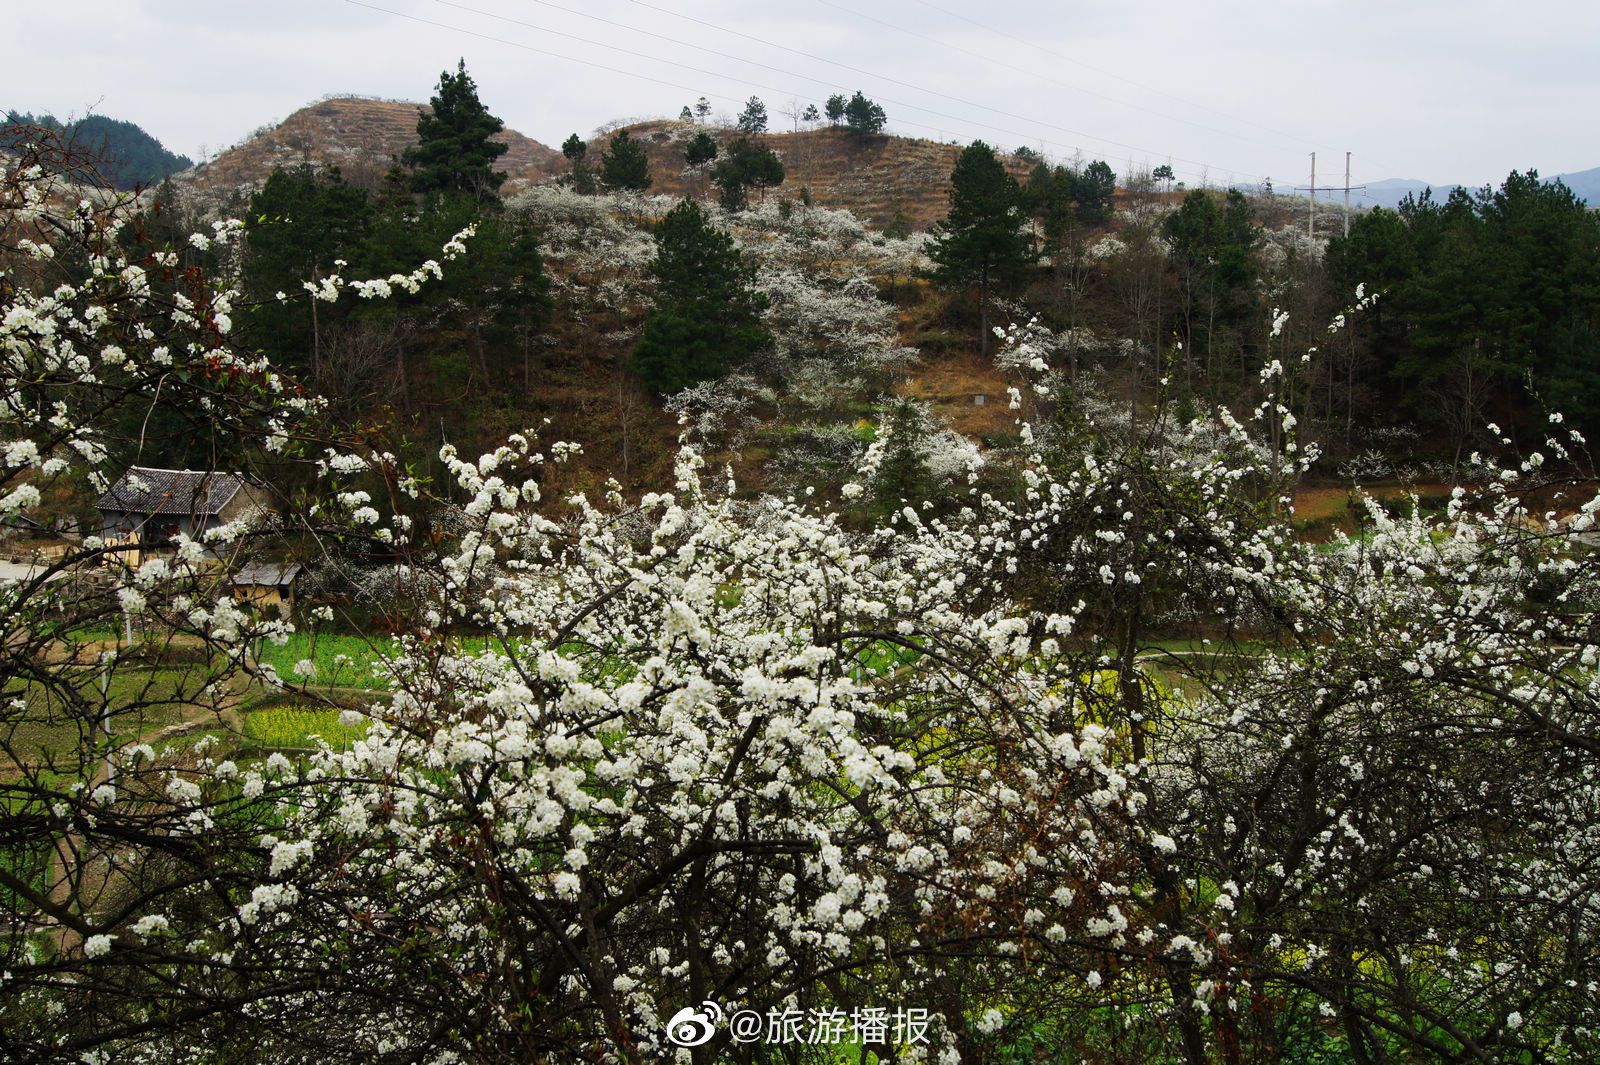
x: 702, y: 109
x: 454, y: 149
x: 1483, y: 295
x: 581, y: 178
x: 300, y: 222
x: 863, y: 117
x: 835, y: 108
x: 701, y: 150
x: 1095, y: 192
x: 1166, y: 175
x: 708, y: 312
x: 981, y: 244
x: 698, y: 155
x: 624, y: 164
x: 493, y: 301
x: 747, y: 165
x: 1040, y: 191
x: 1212, y: 251
x: 753, y: 119
x: 903, y: 474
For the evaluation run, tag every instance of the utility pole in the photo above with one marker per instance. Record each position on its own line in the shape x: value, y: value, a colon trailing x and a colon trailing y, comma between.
x: 1346, y: 195
x: 1313, y: 188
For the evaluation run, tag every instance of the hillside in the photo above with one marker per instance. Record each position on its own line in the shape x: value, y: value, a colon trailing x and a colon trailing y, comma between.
x: 360, y: 135
x: 124, y: 152
x: 875, y: 178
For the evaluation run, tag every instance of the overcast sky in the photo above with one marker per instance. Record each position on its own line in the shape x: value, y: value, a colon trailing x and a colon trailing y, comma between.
x: 1224, y: 90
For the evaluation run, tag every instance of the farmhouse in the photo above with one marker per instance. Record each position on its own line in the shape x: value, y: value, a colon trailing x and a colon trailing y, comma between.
x: 267, y: 584
x: 148, y: 506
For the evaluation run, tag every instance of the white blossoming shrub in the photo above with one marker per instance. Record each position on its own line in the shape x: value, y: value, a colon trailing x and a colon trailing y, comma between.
x: 637, y: 757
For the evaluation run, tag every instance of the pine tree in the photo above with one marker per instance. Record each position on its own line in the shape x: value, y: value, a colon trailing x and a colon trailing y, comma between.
x: 624, y: 164
x: 753, y: 119
x: 981, y: 242
x: 1095, y: 191
x: 454, y: 152
x: 300, y: 222
x: 863, y: 117
x: 747, y: 165
x: 581, y: 178
x: 708, y: 312
x: 701, y: 150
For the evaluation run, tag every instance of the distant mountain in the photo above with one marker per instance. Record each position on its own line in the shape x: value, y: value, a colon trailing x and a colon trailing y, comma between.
x: 127, y: 155
x: 1586, y: 183
x: 1389, y: 193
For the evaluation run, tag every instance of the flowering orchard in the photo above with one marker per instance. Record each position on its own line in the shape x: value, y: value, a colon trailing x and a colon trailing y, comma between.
x: 637, y: 760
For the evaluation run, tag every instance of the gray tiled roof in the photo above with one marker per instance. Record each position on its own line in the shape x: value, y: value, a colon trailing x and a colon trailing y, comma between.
x: 262, y: 573
x: 150, y: 491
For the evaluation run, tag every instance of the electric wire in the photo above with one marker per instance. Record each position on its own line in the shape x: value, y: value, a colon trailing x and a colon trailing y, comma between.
x: 1083, y: 135
x: 744, y: 81
x: 1278, y: 135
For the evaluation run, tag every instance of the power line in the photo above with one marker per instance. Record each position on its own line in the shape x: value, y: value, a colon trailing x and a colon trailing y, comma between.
x: 1281, y: 136
x: 896, y: 103
x: 913, y: 107
x: 1202, y: 165
x: 517, y: 44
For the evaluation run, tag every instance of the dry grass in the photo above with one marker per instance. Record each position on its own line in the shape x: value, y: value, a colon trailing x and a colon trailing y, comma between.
x: 360, y: 136
x: 876, y: 177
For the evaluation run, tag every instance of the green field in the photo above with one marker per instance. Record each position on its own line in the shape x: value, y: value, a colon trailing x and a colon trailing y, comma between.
x: 340, y: 661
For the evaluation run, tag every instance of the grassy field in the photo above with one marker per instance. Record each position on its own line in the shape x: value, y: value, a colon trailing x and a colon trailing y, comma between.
x: 339, y: 661
x: 141, y: 701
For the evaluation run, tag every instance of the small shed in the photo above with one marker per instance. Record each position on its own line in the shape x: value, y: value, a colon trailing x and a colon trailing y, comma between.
x: 264, y: 584
x: 148, y: 506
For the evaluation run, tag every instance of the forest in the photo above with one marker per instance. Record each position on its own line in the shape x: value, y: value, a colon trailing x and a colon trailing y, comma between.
x: 673, y: 675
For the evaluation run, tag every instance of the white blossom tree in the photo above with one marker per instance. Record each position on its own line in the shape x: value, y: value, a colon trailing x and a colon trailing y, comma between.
x: 637, y: 757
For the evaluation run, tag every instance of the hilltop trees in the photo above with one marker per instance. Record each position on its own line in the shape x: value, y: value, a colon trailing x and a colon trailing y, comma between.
x: 981, y: 244
x: 306, y: 227
x: 455, y: 151
x: 862, y: 117
x: 707, y: 316
x: 753, y: 119
x: 123, y: 151
x: 1094, y: 191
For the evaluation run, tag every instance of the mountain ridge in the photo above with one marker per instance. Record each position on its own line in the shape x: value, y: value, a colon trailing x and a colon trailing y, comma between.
x: 1389, y: 192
